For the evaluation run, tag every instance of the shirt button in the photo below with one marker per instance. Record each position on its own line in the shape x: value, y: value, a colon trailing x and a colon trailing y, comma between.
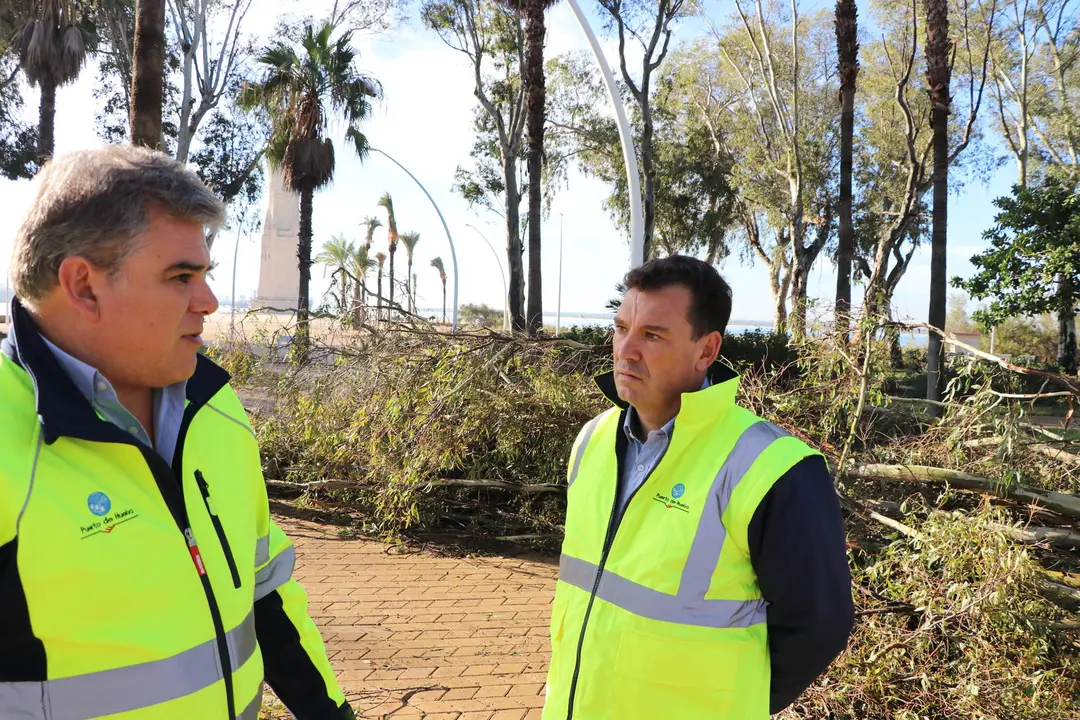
x: 133, y: 430
x: 640, y: 468
x: 101, y: 386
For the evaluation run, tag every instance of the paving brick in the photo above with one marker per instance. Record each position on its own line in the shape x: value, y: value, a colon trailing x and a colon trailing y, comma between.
x: 423, y: 636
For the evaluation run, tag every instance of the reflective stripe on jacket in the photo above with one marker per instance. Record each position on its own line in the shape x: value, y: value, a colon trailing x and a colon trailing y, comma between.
x: 657, y: 613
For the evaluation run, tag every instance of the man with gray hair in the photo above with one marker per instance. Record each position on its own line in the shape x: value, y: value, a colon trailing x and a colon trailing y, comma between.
x: 140, y: 572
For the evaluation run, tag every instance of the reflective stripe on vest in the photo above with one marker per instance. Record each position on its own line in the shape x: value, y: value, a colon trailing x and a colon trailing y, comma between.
x: 262, y: 551
x: 585, y: 437
x: 689, y: 606
x: 251, y: 712
x: 275, y: 574
x: 128, y: 688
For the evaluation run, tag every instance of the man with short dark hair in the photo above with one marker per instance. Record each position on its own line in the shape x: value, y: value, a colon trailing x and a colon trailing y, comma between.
x: 704, y: 570
x: 140, y: 572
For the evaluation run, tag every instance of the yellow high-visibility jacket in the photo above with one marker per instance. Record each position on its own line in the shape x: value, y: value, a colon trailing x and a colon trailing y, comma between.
x: 657, y: 612
x: 134, y: 588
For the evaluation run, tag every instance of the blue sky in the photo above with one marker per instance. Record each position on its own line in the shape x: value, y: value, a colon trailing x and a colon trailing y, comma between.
x: 425, y: 121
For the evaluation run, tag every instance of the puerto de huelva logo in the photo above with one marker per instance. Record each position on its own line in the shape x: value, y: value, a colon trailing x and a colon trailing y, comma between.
x: 101, y: 507
x: 672, y: 501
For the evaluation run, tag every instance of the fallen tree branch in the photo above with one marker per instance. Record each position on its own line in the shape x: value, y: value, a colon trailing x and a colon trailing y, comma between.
x: 1061, y: 595
x: 1057, y: 454
x: 439, y: 482
x: 1072, y: 384
x: 1054, y: 536
x: 860, y: 508
x: 1058, y: 502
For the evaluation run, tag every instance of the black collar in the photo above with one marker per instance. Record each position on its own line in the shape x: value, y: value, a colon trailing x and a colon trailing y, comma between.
x: 720, y: 372
x: 62, y: 409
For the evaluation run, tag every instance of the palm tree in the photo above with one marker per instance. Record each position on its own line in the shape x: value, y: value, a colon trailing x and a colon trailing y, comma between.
x: 299, y: 91
x: 847, y: 46
x: 392, y: 238
x: 371, y: 223
x: 359, y: 265
x: 437, y: 263
x: 532, y: 76
x: 937, y: 78
x: 337, y: 254
x: 148, y: 73
x: 410, y: 239
x: 381, y: 258
x: 52, y: 51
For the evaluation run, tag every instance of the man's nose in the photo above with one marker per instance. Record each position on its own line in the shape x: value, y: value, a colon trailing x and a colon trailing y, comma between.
x: 629, y: 348
x: 204, y: 302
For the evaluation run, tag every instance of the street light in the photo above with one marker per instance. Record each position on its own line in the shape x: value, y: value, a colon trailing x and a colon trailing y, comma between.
x: 453, y: 253
x: 558, y: 307
x: 506, y: 294
x: 637, y: 224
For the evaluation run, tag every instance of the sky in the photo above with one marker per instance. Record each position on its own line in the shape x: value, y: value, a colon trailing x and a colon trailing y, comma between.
x: 424, y: 120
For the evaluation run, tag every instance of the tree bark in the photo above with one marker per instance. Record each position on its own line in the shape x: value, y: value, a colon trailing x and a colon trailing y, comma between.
x: 937, y: 75
x: 535, y: 100
x: 303, y: 257
x: 1067, y: 360
x: 648, y: 170
x: 847, y: 50
x: 393, y: 251
x: 46, y: 119
x: 513, y: 244
x: 148, y: 74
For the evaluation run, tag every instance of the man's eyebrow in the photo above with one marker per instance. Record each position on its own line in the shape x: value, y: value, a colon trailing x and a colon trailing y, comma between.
x: 190, y: 266
x: 656, y: 328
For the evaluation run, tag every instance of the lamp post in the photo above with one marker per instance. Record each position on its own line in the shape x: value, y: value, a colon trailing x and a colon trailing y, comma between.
x: 453, y: 253
x: 558, y: 306
x: 506, y: 294
x: 637, y: 223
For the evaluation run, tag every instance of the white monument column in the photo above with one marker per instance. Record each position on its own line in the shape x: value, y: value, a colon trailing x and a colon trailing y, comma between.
x: 279, y: 275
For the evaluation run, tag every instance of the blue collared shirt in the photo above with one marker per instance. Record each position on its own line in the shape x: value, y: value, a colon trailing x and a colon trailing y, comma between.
x: 169, y: 403
x: 642, y: 456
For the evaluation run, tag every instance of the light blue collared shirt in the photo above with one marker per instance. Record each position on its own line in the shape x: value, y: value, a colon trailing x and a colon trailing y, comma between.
x: 642, y: 456
x: 169, y: 404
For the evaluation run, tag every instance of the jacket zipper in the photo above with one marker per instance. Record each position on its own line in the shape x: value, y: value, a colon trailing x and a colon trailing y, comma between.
x: 170, y: 483
x: 205, y: 490
x: 613, y: 527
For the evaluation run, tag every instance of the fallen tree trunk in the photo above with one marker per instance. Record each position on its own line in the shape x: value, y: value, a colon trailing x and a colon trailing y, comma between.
x: 1054, y: 536
x: 439, y: 482
x: 1058, y: 502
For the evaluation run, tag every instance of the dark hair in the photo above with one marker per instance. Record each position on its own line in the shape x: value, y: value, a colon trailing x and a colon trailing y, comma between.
x: 710, y: 295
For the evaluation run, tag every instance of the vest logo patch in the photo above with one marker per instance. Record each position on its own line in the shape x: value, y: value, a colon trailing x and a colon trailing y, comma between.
x: 100, y: 505
x: 672, y: 502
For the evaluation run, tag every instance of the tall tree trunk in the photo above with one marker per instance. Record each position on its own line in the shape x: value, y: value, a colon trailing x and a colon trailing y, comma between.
x: 513, y: 245
x: 46, y: 118
x: 1067, y: 359
x: 648, y: 201
x: 358, y: 302
x: 378, y: 296
x: 409, y: 292
x: 303, y: 258
x: 148, y: 74
x: 535, y: 99
x: 847, y: 45
x: 444, y: 301
x: 937, y: 75
x: 393, y: 250
x: 797, y: 319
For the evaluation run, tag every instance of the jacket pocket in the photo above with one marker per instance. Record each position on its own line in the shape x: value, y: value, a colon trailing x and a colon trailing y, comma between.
x: 660, y: 676
x: 204, y: 490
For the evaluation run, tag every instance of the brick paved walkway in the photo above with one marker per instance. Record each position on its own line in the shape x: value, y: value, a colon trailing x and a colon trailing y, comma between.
x: 422, y: 635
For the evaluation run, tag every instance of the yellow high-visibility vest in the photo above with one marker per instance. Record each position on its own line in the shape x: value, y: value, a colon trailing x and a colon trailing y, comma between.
x: 658, y: 614
x: 127, y: 586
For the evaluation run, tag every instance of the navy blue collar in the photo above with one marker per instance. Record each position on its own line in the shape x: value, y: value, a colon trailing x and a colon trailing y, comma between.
x: 61, y: 407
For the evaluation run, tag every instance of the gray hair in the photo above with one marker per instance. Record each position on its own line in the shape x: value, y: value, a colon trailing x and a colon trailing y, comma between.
x: 94, y: 203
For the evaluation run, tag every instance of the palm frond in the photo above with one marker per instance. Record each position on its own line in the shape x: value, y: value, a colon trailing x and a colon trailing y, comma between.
x: 409, y: 239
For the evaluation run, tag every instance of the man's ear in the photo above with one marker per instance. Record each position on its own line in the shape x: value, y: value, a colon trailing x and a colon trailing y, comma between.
x: 710, y: 350
x: 76, y: 278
